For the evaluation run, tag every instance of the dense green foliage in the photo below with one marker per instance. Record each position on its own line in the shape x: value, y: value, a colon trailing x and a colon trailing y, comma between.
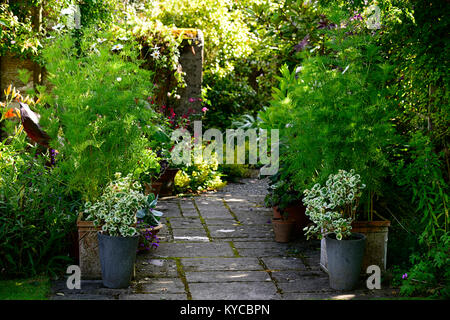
x: 37, y: 216
x: 98, y: 111
x: 201, y: 175
x: 375, y: 100
x: 348, y: 88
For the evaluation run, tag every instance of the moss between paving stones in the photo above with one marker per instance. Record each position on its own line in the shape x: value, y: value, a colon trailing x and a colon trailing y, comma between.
x: 182, y: 276
x: 275, y: 282
x: 231, y: 211
x: 235, y: 251
x: 208, y: 233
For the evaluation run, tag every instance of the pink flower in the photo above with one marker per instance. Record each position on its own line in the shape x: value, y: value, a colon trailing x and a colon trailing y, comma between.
x: 204, y: 109
x: 191, y: 100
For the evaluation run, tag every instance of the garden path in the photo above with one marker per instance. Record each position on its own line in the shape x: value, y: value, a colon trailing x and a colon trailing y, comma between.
x: 221, y: 246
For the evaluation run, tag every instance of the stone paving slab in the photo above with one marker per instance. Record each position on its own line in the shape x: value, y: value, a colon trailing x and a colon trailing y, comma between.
x: 190, y: 213
x: 160, y: 285
x: 268, y: 244
x: 306, y: 296
x: 209, y: 201
x: 193, y: 234
x: 297, y: 275
x: 185, y: 223
x: 226, y: 276
x: 253, y: 217
x: 258, y: 252
x: 148, y: 267
x: 164, y: 234
x: 153, y: 296
x: 223, y: 222
x: 168, y: 205
x: 241, y: 233
x: 234, y: 291
x: 172, y: 213
x: 198, y: 249
x: 186, y: 204
x: 216, y: 212
x: 268, y: 248
x: 305, y: 284
x: 77, y: 296
x: 328, y: 294
x: 284, y: 263
x: 221, y: 264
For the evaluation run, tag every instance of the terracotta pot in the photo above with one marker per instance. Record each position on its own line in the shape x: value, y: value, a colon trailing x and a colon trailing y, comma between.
x: 153, y: 230
x: 296, y: 214
x: 282, y: 229
x: 167, y: 180
x: 154, y: 188
x: 276, y: 213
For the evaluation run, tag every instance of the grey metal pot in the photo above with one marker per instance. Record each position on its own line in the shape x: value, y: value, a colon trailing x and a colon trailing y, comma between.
x: 344, y: 260
x: 117, y: 257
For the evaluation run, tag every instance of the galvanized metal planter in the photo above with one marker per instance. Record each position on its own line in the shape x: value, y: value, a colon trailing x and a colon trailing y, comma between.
x: 375, y: 252
x: 344, y: 260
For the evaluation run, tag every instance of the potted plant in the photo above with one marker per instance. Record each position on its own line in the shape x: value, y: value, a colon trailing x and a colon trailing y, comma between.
x: 283, y: 228
x: 166, y: 178
x: 163, y: 182
x: 115, y: 213
x: 286, y: 203
x: 148, y: 223
x: 332, y: 209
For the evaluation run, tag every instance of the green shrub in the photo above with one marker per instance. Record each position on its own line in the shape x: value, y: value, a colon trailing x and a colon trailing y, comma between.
x: 430, y: 272
x: 16, y: 36
x: 199, y: 176
x: 227, y: 37
x: 98, y: 117
x: 37, y: 217
x: 228, y: 97
x: 335, y: 113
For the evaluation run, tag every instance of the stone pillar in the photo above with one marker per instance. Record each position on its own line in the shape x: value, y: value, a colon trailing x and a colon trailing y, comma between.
x: 191, y: 64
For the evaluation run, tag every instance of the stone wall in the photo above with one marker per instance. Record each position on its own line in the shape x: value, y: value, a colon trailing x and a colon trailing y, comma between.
x: 9, y: 66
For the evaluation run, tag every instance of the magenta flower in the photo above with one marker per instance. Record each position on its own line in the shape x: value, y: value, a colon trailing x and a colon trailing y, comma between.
x: 405, y: 276
x: 204, y: 109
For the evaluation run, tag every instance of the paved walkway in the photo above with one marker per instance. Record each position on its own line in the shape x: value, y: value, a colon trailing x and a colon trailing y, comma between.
x: 221, y: 246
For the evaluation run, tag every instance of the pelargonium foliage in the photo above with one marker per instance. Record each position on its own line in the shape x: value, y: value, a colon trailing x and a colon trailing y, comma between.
x: 332, y: 207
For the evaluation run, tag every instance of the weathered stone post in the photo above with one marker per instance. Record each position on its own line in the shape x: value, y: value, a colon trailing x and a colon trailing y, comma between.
x: 191, y: 64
